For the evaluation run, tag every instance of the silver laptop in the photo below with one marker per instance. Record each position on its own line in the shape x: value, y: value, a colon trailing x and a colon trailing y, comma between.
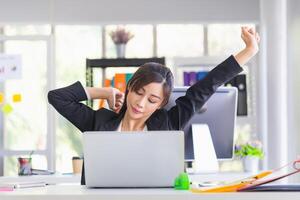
x: 133, y: 159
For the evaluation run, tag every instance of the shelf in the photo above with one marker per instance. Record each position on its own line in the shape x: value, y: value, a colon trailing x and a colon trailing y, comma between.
x: 104, y: 63
x: 121, y: 62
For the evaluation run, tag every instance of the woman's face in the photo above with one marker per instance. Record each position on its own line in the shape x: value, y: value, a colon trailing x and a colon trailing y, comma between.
x: 142, y: 103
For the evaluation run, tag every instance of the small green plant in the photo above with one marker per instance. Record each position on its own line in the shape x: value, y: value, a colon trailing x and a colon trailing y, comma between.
x: 249, y: 149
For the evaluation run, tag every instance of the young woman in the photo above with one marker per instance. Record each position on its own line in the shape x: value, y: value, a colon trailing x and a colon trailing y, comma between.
x: 147, y: 92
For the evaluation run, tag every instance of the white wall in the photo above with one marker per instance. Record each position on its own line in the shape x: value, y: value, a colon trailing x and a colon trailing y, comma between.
x: 294, y: 80
x: 129, y: 11
x: 274, y: 29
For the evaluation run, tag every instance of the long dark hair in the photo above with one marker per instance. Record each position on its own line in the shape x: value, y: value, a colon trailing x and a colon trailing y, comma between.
x: 150, y: 72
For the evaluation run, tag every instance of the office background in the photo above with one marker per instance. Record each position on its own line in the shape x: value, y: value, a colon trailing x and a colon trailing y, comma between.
x: 55, y: 37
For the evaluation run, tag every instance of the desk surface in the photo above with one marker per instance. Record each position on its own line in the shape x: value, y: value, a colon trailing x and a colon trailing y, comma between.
x: 59, y: 178
x: 76, y: 192
x: 50, y: 179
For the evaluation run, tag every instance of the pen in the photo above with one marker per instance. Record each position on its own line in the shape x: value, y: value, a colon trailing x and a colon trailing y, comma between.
x: 6, y: 189
x: 70, y: 173
x: 30, y: 185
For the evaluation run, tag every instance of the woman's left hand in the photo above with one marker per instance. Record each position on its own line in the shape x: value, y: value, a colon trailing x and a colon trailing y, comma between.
x: 251, y: 38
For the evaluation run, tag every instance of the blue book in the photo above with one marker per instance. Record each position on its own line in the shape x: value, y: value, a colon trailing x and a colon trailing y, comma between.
x: 186, y: 78
x: 201, y: 75
x: 193, y: 78
x: 113, y: 82
x: 128, y: 77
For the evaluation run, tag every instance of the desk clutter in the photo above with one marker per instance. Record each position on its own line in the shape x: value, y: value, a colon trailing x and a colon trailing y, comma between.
x: 11, y: 186
x: 11, y: 183
x: 258, y: 182
x: 29, y: 177
x: 25, y: 166
x: 184, y: 182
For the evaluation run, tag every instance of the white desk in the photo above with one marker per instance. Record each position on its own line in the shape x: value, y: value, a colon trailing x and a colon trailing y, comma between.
x: 59, y: 178
x: 71, y: 189
x: 50, y: 179
x: 78, y: 192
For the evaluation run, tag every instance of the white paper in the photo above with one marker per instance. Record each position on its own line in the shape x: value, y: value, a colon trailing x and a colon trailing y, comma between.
x: 205, y: 158
x: 10, y: 66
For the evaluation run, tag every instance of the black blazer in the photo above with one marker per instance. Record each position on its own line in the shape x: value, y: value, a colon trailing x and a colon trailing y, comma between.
x: 67, y: 102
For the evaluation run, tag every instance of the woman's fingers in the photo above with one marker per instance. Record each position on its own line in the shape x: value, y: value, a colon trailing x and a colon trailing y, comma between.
x: 113, y: 99
x: 249, y: 34
x: 117, y: 100
x: 118, y: 103
x: 257, y: 37
x: 120, y: 100
x: 251, y: 30
x: 244, y: 33
x: 120, y: 95
x: 250, y: 37
x: 118, y: 110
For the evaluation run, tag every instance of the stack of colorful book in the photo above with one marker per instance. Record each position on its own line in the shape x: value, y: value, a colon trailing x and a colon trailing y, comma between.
x: 189, y: 78
x: 119, y: 81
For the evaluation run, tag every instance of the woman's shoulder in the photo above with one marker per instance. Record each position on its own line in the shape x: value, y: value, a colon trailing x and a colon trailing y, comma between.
x: 105, y: 114
x: 160, y: 114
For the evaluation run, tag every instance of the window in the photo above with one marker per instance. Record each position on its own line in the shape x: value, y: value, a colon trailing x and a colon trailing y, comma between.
x: 224, y: 39
x: 73, y: 45
x: 27, y: 30
x: 180, y: 40
x: 140, y: 46
x: 25, y: 128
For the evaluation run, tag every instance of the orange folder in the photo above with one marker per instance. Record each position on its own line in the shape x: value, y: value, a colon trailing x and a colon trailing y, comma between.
x: 234, y: 186
x: 251, y: 182
x: 120, y: 81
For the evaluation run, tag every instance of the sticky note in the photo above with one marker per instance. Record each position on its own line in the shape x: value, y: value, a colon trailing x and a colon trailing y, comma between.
x: 6, y: 109
x: 17, y: 98
x: 1, y: 98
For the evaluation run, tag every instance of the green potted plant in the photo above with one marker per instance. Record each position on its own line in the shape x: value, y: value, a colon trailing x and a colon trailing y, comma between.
x: 120, y: 36
x: 250, y: 152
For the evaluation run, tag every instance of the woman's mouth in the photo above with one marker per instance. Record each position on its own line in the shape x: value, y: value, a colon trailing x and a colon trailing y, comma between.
x: 136, y: 111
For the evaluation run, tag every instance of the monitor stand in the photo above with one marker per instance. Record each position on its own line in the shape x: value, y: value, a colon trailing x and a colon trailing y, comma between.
x: 205, y: 158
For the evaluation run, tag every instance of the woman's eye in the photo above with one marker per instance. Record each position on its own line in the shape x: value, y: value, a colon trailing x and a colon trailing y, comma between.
x: 138, y: 92
x: 152, y: 101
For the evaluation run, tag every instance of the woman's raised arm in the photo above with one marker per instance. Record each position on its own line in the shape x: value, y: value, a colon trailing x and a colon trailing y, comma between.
x: 251, y: 40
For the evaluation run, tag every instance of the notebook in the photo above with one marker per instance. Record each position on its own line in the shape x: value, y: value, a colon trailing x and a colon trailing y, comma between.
x: 275, y: 188
x: 258, y: 182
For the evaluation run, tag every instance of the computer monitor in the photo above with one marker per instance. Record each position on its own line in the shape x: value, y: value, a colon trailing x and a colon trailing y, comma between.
x: 219, y: 113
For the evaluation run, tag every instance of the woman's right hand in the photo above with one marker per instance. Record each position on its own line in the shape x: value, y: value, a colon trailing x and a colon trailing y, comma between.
x: 251, y: 38
x: 115, y: 99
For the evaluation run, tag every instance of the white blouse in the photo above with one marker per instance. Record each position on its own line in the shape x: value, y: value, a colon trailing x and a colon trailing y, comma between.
x: 120, y: 125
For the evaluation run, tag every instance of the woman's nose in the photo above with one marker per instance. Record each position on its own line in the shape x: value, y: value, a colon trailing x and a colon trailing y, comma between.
x: 141, y: 103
